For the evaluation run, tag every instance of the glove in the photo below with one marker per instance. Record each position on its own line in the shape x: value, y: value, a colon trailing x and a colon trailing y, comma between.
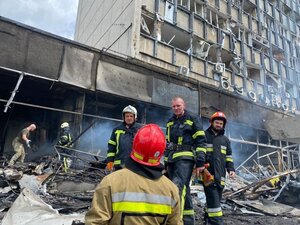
x: 110, y: 166
x: 28, y: 143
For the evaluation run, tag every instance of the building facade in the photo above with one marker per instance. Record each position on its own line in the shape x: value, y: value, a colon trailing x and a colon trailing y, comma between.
x: 249, y: 48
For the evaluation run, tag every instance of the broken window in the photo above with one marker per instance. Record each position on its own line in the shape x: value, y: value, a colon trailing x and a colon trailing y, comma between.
x: 272, y: 83
x: 200, y: 48
x: 254, y: 74
x: 250, y: 7
x: 278, y: 54
x: 175, y: 37
x: 198, y: 8
x: 147, y: 25
x: 236, y: 65
x: 184, y: 3
x: 289, y: 89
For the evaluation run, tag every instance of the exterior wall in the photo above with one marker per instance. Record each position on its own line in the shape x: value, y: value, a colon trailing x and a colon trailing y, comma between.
x: 106, y: 24
x: 262, y: 37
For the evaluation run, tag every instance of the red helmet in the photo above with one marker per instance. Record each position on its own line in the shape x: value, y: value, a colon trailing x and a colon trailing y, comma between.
x: 149, y: 144
x: 218, y: 115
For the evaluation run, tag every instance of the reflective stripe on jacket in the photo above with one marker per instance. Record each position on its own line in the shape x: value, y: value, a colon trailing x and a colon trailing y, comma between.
x: 218, y: 155
x: 65, y: 138
x: 134, y: 200
x: 120, y: 143
x: 186, y: 130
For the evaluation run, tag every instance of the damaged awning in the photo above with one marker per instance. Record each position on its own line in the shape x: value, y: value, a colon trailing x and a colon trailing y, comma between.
x: 285, y: 129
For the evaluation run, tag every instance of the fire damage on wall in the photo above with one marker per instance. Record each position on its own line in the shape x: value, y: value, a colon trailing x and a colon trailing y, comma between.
x: 48, y: 80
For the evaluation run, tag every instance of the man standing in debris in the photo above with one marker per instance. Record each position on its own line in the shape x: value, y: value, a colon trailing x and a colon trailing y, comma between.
x: 219, y: 157
x: 139, y: 193
x: 65, y: 141
x: 18, y: 144
x: 120, y: 143
x: 186, y: 142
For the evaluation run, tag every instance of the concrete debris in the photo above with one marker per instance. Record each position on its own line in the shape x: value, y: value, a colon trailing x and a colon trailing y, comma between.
x: 12, y: 174
x: 33, y: 183
x: 265, y: 206
x: 43, y: 185
x: 54, y: 195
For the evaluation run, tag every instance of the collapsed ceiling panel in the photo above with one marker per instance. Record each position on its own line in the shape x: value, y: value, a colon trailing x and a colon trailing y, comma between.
x: 117, y: 80
x: 285, y: 129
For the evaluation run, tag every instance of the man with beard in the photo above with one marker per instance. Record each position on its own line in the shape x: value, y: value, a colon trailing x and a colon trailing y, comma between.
x: 219, y: 158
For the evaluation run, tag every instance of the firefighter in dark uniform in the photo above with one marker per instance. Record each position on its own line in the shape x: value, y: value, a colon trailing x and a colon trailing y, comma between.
x: 219, y: 157
x: 65, y: 141
x: 120, y: 143
x: 185, y: 145
x: 139, y: 193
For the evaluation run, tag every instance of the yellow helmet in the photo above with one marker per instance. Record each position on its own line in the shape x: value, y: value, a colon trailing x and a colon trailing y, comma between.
x: 64, y: 125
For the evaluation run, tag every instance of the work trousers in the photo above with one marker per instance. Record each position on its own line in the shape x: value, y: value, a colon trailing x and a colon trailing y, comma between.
x: 213, y: 211
x: 19, y: 153
x: 180, y: 173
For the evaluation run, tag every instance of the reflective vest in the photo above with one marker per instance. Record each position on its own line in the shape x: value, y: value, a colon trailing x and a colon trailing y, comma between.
x: 127, y: 198
x: 185, y: 131
x: 65, y: 138
x: 120, y: 143
x: 218, y: 155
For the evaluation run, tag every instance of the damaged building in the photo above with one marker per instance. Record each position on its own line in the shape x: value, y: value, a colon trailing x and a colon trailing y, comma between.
x: 238, y: 56
x: 242, y: 57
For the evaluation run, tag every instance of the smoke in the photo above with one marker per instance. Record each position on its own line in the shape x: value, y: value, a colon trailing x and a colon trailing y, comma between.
x: 96, y: 138
x: 38, y: 151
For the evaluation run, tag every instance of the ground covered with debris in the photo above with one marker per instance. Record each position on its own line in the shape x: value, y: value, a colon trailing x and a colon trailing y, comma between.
x: 236, y: 217
x: 44, y: 191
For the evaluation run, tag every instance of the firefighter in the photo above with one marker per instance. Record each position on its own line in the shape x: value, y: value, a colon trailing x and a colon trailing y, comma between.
x: 65, y: 141
x: 219, y: 157
x: 185, y: 145
x: 139, y: 193
x: 120, y: 143
x: 18, y: 144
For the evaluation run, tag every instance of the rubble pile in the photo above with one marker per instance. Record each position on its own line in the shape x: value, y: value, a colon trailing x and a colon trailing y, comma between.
x: 65, y: 193
x: 44, y: 190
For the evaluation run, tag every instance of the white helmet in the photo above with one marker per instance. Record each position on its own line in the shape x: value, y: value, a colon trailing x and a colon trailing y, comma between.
x: 64, y: 125
x: 130, y: 109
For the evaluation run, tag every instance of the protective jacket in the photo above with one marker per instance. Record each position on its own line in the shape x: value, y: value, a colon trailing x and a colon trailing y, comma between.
x: 120, y: 143
x: 218, y: 155
x: 184, y: 137
x: 135, y: 200
x: 65, y: 138
x: 186, y: 142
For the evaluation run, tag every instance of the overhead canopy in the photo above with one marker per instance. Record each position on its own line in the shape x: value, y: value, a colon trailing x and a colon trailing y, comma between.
x: 285, y: 129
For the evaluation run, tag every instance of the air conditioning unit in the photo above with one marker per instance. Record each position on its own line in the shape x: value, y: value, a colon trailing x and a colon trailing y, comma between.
x: 284, y: 107
x: 220, y: 67
x: 271, y: 89
x: 225, y: 83
x: 239, y: 90
x: 252, y: 96
x: 275, y: 101
x: 183, y: 70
